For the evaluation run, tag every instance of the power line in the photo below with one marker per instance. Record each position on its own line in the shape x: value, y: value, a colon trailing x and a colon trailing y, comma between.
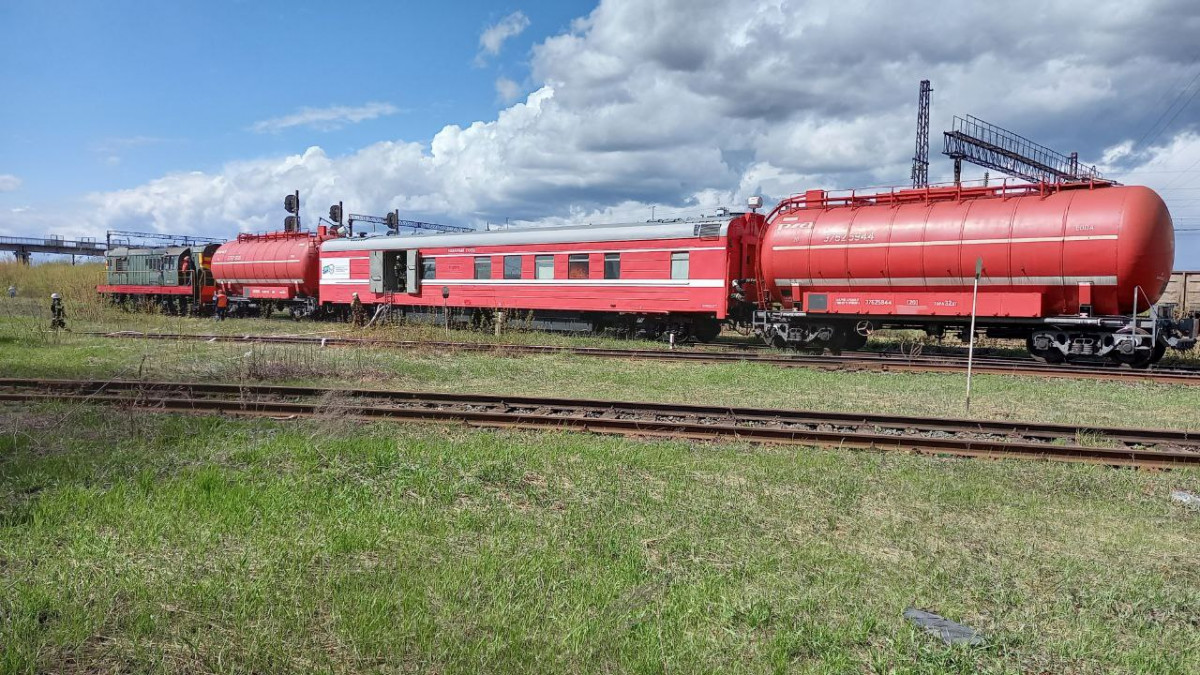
x: 1168, y: 109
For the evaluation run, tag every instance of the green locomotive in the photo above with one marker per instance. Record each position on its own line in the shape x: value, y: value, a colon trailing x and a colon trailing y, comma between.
x: 177, y: 278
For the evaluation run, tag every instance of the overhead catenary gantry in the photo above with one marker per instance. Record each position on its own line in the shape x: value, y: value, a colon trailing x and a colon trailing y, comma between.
x: 993, y: 147
x: 394, y: 223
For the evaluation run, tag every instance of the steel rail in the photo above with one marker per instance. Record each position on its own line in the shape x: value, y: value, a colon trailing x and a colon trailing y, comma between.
x: 872, y: 432
x: 871, y: 361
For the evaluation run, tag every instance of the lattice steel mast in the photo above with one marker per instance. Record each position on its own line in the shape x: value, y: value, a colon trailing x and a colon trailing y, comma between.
x: 920, y: 165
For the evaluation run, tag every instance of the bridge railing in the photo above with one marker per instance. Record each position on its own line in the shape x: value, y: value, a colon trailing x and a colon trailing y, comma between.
x: 81, y: 244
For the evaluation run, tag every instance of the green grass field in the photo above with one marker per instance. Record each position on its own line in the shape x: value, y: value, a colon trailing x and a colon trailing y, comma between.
x: 135, y: 542
x: 144, y: 543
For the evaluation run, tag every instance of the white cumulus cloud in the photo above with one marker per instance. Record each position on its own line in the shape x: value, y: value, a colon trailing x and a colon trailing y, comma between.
x: 630, y: 110
x: 325, y: 119
x: 493, y: 37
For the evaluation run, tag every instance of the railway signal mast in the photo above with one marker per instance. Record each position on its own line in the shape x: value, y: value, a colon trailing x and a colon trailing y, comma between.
x: 920, y: 165
x: 291, y: 204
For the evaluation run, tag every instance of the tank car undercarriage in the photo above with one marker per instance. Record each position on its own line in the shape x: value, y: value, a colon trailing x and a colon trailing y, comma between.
x: 1137, y: 343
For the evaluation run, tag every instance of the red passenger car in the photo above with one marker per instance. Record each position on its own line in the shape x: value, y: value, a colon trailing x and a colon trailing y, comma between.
x: 655, y: 277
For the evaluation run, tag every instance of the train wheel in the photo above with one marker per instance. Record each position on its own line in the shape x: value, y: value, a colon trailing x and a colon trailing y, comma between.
x: 1160, y: 350
x: 837, y: 342
x: 706, y: 329
x: 1140, y: 358
x: 854, y: 341
x: 1052, y: 356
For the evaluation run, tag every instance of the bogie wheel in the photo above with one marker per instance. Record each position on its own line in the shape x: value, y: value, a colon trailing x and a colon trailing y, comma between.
x: 1140, y: 358
x: 1160, y: 350
x: 837, y: 342
x: 1051, y: 356
x: 706, y: 330
x: 854, y: 341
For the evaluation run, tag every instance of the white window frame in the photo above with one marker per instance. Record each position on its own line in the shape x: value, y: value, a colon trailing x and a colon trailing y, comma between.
x: 680, y: 264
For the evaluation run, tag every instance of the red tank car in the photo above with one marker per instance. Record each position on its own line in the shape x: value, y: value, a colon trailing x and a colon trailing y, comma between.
x: 1064, y: 256
x: 279, y: 269
x: 1043, y: 254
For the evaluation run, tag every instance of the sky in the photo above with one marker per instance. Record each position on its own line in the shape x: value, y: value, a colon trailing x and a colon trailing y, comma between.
x: 199, y: 116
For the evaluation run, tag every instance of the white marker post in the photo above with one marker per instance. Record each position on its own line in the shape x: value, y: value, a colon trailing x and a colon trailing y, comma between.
x: 971, y: 344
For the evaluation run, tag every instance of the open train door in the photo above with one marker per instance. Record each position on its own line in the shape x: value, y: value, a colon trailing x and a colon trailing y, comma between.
x: 395, y: 272
x: 413, y: 272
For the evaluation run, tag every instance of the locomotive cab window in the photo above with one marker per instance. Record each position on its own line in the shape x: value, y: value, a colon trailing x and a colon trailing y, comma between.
x: 428, y: 268
x: 578, y: 266
x: 543, y: 266
x: 512, y: 267
x: 483, y: 267
x: 612, y: 265
x: 679, y: 265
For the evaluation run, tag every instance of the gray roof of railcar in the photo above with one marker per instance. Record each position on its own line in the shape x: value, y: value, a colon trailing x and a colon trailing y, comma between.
x: 680, y: 229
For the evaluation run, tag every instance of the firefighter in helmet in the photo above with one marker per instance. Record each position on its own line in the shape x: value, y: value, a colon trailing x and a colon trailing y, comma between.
x: 357, y: 313
x: 58, y: 316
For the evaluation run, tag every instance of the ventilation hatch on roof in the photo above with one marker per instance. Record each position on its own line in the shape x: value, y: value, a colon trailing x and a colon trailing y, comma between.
x: 708, y: 230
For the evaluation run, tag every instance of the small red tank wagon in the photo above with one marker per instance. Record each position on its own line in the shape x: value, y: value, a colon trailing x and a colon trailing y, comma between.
x: 651, y: 277
x: 273, y: 270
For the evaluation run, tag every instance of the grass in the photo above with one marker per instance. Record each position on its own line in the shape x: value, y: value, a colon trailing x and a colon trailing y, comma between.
x: 1002, y: 397
x: 142, y: 543
x: 134, y: 542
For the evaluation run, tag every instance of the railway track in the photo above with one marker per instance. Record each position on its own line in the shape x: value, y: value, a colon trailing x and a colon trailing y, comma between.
x: 871, y: 361
x: 1145, y: 448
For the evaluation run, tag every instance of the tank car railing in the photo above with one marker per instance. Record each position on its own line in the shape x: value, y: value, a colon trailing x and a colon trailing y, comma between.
x: 944, y: 192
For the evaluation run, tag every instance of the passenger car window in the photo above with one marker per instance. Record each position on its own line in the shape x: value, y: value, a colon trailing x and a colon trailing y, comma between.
x: 679, y: 265
x: 578, y: 266
x: 612, y: 265
x: 483, y: 267
x: 543, y: 266
x: 512, y: 267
